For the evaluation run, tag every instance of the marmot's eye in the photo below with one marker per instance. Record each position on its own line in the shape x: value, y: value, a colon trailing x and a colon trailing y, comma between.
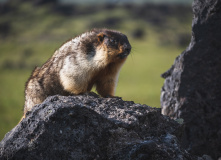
x: 113, y: 41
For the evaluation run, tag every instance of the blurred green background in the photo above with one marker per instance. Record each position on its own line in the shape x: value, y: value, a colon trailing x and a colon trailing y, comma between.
x: 30, y: 31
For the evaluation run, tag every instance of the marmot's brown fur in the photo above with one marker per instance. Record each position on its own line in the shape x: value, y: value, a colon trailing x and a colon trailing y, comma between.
x: 93, y: 58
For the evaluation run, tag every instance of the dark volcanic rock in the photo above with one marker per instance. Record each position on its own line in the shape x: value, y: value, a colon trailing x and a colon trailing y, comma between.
x: 192, y: 88
x: 89, y: 127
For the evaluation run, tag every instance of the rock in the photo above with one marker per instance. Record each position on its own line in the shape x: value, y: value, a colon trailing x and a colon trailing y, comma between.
x: 89, y: 127
x: 192, y: 87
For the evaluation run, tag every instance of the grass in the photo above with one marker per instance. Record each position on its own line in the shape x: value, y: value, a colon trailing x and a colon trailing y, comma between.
x: 11, y: 98
x: 35, y: 35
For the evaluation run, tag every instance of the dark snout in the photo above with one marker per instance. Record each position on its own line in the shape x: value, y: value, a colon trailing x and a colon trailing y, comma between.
x: 126, y: 51
x: 127, y: 48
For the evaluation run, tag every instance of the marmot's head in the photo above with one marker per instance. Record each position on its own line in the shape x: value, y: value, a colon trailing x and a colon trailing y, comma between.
x: 114, y: 44
x: 103, y: 46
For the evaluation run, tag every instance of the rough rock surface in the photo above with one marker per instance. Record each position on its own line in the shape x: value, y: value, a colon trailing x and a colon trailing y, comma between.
x: 192, y: 87
x: 89, y: 127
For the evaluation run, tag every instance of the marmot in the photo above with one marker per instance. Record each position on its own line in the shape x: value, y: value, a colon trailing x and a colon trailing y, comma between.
x: 93, y: 58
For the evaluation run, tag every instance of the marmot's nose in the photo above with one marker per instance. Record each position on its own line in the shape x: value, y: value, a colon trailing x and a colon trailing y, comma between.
x: 127, y: 48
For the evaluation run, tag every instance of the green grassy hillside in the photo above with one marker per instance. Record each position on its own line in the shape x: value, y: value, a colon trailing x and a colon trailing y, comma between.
x: 30, y: 33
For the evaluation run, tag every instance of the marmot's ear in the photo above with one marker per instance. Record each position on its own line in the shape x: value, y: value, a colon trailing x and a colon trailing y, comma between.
x: 100, y: 37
